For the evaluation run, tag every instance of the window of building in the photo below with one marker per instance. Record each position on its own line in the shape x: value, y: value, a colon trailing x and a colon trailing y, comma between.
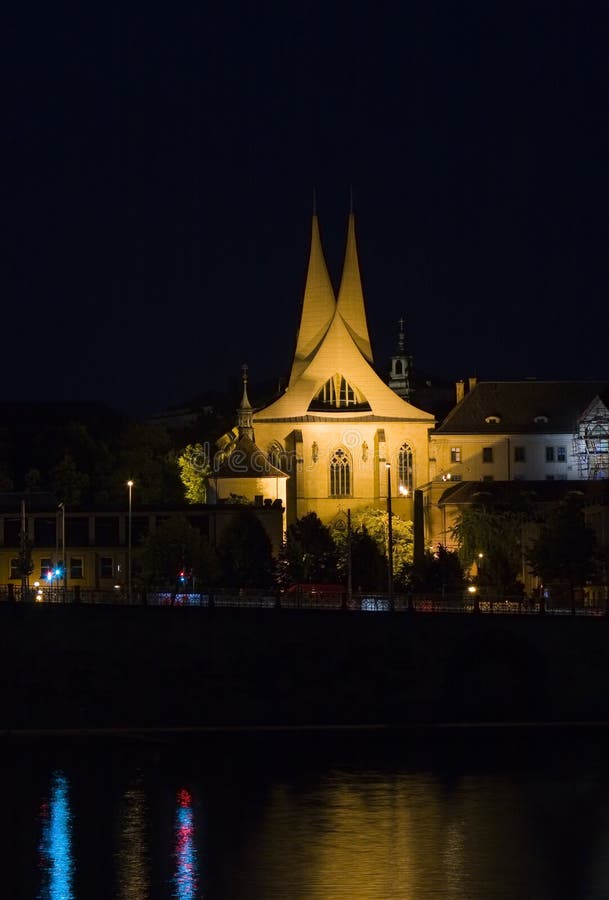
x: 549, y: 454
x: 277, y: 456
x: 106, y: 567
x: 487, y: 454
x: 338, y: 393
x: 46, y: 566
x: 340, y: 474
x: 15, y: 569
x: 519, y: 454
x: 561, y: 454
x: 76, y: 567
x: 455, y: 454
x: 405, y: 470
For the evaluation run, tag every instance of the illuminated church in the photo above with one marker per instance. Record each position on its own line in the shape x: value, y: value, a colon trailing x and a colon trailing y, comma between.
x: 338, y: 431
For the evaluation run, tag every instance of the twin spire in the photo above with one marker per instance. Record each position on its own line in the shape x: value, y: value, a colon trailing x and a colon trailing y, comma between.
x: 320, y: 305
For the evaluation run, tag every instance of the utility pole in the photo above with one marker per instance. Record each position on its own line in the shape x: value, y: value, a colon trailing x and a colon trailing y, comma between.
x: 349, y: 561
x: 389, y: 539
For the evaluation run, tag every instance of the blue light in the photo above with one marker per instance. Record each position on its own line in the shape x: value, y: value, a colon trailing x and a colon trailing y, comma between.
x: 56, y: 844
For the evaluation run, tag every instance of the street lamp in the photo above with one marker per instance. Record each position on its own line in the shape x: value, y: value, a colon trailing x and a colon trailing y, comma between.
x: 62, y: 511
x: 129, y: 486
x: 389, y: 539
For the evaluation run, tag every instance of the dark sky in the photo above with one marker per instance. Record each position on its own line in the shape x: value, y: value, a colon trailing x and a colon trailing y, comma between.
x: 161, y: 165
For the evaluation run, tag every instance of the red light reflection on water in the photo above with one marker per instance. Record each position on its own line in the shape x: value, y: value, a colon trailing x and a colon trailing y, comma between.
x: 186, y: 875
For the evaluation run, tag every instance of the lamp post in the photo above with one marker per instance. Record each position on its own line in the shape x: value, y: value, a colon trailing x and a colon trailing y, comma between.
x: 129, y: 487
x: 389, y: 539
x: 62, y: 511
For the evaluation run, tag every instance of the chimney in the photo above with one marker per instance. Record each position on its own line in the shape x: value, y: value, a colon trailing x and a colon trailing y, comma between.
x: 473, y: 381
x: 460, y: 388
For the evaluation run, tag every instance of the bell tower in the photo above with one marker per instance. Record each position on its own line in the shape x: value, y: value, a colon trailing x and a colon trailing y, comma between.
x: 401, y: 368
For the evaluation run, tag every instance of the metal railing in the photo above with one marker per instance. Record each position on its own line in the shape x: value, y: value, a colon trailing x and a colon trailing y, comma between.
x: 364, y: 601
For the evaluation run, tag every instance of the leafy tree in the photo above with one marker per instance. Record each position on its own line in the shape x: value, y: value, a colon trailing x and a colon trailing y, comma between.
x: 310, y: 552
x: 144, y: 454
x: 368, y: 564
x: 374, y: 521
x: 33, y: 480
x: 245, y: 551
x: 194, y: 467
x: 440, y: 571
x: 566, y: 548
x: 491, y: 530
x: 176, y: 546
x: 6, y: 481
x: 67, y: 482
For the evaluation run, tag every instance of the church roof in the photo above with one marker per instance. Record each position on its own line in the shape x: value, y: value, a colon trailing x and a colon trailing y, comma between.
x: 333, y: 344
x: 318, y: 306
x: 350, y: 302
x: 247, y: 460
x: 467, y: 492
x: 536, y: 407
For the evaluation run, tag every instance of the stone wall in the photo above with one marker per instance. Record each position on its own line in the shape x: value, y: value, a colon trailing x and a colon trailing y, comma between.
x: 105, y: 667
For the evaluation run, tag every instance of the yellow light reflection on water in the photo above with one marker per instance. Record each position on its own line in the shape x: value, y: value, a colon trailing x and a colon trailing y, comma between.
x: 133, y: 854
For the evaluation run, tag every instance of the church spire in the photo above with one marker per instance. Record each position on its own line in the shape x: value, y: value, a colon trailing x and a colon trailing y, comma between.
x: 318, y: 305
x: 245, y: 412
x: 351, y: 297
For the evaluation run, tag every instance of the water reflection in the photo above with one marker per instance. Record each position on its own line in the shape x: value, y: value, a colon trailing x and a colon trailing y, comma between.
x: 133, y: 853
x: 56, y: 862
x: 277, y: 826
x: 186, y: 874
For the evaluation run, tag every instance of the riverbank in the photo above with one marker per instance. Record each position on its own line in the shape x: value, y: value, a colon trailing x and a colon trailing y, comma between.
x: 90, y: 668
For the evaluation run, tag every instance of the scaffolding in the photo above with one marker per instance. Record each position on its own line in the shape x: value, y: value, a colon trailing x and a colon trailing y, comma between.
x: 591, y: 443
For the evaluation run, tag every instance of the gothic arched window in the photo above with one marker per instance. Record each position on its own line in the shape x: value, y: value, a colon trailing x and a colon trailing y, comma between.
x: 340, y: 474
x: 338, y: 393
x: 405, y: 467
x: 278, y: 456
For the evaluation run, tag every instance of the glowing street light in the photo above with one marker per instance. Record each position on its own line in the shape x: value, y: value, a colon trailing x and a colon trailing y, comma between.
x: 129, y: 487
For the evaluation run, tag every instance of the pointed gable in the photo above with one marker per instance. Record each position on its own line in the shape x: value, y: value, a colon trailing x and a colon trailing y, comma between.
x: 351, y: 296
x: 338, y: 353
x: 318, y: 305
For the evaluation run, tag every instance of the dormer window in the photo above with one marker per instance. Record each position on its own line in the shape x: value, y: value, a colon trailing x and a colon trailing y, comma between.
x: 492, y: 420
x: 541, y: 420
x: 338, y: 393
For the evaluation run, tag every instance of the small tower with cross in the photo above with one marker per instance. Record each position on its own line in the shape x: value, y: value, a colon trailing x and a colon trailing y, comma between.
x: 401, y: 368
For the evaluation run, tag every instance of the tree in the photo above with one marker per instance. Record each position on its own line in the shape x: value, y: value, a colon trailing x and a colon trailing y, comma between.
x: 374, y: 521
x: 144, y: 453
x: 310, y: 553
x: 368, y: 564
x: 176, y: 547
x: 491, y: 530
x: 194, y: 467
x: 245, y: 551
x: 67, y: 482
x: 566, y: 548
x: 439, y: 572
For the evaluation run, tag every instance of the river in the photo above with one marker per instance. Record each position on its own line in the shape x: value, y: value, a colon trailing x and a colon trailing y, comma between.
x: 450, y: 814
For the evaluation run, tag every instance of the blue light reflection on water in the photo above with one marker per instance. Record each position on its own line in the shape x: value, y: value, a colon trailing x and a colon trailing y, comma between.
x: 56, y: 843
x: 185, y: 880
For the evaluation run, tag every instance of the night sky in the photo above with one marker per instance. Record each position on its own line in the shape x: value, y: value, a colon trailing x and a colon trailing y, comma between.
x: 161, y: 168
